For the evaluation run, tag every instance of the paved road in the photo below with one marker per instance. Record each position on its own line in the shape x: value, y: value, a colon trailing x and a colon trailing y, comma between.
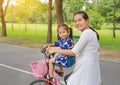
x: 15, y: 69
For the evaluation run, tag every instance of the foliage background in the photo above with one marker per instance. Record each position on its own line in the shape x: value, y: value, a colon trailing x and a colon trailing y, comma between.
x: 27, y: 20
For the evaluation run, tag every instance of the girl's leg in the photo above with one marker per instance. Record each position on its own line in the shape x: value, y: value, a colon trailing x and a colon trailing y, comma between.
x: 51, y: 66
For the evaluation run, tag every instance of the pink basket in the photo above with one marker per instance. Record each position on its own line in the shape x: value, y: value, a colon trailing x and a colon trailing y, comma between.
x: 40, y: 68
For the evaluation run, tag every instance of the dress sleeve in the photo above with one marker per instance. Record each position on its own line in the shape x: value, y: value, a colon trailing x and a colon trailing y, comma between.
x: 57, y: 43
x: 70, y: 43
x: 83, y: 40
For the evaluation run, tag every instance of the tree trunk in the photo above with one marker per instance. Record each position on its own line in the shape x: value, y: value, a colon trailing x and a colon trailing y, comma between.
x: 49, y: 34
x: 59, y: 13
x: 6, y: 7
x: 114, y: 36
x: 2, y: 19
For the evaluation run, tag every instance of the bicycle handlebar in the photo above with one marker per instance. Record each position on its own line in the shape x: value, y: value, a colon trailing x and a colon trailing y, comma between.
x: 43, y: 50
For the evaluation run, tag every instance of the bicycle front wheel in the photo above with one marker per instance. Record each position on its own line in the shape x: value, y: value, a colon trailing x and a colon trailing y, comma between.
x: 38, y: 82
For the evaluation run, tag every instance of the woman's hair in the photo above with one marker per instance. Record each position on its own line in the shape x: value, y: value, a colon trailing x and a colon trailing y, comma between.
x: 86, y: 17
x: 68, y: 29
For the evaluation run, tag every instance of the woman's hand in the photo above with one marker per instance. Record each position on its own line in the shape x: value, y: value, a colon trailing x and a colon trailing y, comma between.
x: 58, y: 50
x: 52, y: 50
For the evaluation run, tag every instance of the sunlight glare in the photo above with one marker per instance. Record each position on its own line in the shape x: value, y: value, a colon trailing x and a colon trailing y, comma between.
x: 44, y: 1
x: 12, y: 2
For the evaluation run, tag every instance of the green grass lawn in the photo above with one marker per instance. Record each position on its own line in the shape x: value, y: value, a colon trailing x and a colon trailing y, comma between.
x: 107, y: 40
x: 37, y: 33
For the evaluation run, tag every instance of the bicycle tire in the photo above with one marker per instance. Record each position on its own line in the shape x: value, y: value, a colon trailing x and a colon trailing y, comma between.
x: 38, y: 82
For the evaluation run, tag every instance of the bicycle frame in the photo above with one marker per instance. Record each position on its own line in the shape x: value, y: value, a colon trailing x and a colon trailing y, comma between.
x: 40, y: 68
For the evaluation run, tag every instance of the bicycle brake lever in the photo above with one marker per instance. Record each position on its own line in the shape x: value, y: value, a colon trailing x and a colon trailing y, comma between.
x: 43, y: 50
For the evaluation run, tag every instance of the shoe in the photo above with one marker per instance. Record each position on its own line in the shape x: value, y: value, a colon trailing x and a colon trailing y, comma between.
x: 59, y: 73
x: 48, y: 77
x: 51, y: 79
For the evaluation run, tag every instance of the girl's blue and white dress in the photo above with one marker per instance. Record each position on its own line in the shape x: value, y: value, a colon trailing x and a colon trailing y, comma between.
x: 64, y: 44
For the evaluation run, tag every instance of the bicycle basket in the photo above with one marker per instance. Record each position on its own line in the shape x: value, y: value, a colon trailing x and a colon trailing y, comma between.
x: 39, y: 68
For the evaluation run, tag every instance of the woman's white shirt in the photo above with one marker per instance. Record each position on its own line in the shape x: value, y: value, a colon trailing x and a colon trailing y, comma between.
x: 86, y: 70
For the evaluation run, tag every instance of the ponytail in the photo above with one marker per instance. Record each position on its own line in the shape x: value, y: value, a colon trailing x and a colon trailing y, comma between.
x: 71, y: 33
x: 95, y: 32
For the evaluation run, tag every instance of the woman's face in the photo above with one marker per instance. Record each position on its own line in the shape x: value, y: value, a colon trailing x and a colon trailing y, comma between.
x: 80, y: 23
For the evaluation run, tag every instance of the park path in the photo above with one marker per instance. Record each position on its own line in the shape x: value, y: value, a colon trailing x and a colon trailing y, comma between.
x: 15, y: 69
x: 109, y: 55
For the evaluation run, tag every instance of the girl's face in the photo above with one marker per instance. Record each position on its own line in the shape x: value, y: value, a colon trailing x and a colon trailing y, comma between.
x: 63, y: 33
x: 80, y: 23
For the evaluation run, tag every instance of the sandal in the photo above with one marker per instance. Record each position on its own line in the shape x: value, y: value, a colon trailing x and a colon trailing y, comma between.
x: 59, y: 73
x: 47, y: 76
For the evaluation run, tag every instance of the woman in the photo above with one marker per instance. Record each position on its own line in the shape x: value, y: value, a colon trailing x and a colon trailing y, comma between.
x: 86, y: 70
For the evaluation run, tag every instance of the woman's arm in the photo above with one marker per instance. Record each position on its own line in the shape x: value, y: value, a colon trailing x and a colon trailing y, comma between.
x: 60, y: 51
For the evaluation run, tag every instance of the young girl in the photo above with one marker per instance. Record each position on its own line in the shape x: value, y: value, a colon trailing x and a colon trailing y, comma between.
x: 64, y: 42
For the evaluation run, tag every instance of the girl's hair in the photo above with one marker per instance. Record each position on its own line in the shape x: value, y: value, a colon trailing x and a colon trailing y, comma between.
x: 68, y: 29
x: 86, y: 17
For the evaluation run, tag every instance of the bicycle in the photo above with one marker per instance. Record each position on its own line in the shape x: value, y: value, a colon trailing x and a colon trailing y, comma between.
x: 40, y: 68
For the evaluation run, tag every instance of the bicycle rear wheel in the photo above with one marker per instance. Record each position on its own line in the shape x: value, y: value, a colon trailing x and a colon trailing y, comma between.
x: 38, y: 82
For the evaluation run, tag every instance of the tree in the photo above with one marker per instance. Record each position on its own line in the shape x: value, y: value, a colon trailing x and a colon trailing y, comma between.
x: 6, y: 7
x: 114, y: 19
x: 2, y: 19
x: 105, y: 8
x: 110, y: 12
x: 59, y: 17
x: 92, y: 9
x: 59, y: 12
x: 49, y: 34
x: 70, y: 7
x: 27, y: 11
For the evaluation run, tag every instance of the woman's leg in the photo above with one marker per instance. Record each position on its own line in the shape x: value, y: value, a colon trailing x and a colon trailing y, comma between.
x: 66, y: 77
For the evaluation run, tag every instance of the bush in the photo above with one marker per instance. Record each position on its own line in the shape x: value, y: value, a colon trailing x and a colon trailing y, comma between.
x: 96, y: 20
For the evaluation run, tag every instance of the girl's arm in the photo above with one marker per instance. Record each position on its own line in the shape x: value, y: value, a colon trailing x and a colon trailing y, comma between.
x: 50, y: 45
